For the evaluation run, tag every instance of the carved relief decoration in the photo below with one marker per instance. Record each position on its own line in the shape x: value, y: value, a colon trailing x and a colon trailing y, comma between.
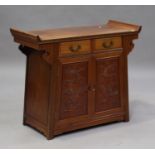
x: 107, y: 83
x: 74, y: 95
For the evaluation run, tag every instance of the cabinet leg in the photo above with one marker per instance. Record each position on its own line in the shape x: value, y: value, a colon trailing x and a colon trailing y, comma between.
x: 49, y: 135
x: 24, y: 121
x: 126, y: 117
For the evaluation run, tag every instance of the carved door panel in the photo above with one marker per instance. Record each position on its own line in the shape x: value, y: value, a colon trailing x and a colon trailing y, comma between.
x: 73, y: 89
x: 108, y: 82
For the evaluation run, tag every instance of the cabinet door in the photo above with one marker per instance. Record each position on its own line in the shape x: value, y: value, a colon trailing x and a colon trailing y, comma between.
x: 73, y: 94
x: 108, y: 81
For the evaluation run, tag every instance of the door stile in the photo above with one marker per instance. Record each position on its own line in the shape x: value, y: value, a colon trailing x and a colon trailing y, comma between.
x: 121, y: 79
x: 91, y: 86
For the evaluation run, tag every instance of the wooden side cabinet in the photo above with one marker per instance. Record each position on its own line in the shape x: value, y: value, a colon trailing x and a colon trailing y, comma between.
x: 76, y: 77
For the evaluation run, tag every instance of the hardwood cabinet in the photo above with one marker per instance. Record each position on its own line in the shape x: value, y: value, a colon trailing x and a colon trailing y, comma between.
x: 76, y: 77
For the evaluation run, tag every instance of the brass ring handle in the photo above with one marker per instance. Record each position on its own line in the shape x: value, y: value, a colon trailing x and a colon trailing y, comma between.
x: 105, y: 45
x: 75, y: 48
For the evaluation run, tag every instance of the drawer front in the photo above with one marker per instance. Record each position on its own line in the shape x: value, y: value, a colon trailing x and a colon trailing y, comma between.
x: 108, y: 43
x: 75, y: 47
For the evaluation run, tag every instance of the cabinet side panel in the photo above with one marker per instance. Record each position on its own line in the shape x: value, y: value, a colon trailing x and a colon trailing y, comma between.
x: 107, y: 82
x: 37, y: 92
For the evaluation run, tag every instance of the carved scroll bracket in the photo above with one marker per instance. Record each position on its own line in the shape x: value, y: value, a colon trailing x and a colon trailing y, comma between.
x: 25, y: 50
x: 128, y: 43
x: 46, y: 52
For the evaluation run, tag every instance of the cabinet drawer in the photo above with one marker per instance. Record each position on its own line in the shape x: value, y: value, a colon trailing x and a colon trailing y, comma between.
x: 108, y: 43
x: 75, y: 47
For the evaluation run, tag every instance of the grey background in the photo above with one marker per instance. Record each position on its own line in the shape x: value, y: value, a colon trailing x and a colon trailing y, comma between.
x: 138, y: 133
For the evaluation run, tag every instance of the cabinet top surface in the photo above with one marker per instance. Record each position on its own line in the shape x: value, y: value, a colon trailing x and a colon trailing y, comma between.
x: 49, y: 35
